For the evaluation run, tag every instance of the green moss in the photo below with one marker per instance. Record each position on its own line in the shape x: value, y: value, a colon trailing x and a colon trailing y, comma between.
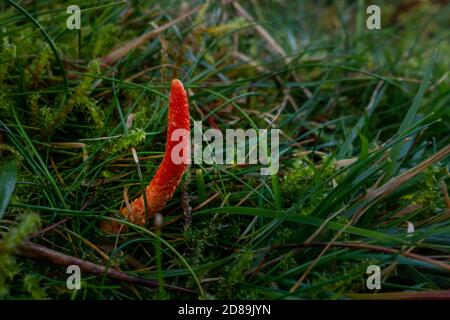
x: 302, y: 176
x: 235, y: 273
x: 28, y: 223
x: 132, y: 139
x: 53, y: 119
x: 427, y: 193
x: 16, y: 236
x: 104, y: 39
x: 38, y: 67
x: 32, y: 286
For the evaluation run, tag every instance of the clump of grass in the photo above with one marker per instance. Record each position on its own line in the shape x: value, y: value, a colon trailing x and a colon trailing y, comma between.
x: 366, y: 107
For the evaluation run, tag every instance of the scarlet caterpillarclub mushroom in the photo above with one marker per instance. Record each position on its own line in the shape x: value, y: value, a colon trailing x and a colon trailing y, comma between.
x: 170, y: 171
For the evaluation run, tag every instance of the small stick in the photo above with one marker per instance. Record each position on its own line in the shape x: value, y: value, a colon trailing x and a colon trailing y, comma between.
x: 135, y: 43
x: 40, y: 253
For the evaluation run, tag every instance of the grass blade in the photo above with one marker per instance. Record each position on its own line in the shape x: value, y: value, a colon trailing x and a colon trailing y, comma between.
x: 8, y: 178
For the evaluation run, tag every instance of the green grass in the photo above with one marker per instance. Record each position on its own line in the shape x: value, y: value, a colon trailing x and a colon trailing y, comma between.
x: 361, y: 115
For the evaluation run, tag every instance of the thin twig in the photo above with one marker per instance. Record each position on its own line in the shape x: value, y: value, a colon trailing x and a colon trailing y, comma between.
x: 428, y: 295
x: 363, y: 246
x: 40, y: 253
x: 135, y: 43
